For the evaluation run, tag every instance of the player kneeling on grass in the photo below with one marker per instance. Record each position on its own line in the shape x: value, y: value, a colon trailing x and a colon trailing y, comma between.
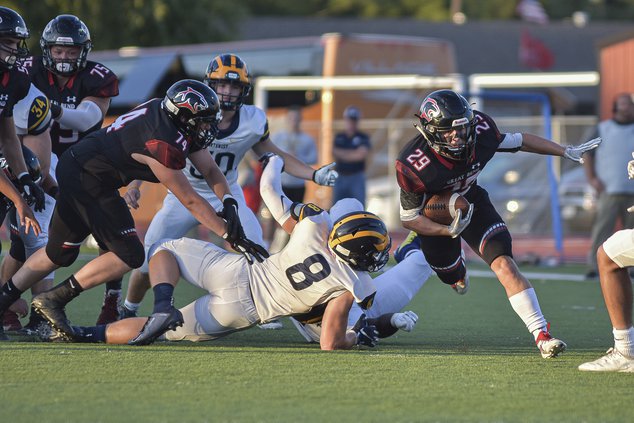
x: 326, y: 262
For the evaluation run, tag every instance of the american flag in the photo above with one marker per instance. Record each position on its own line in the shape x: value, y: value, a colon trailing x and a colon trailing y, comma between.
x: 531, y: 11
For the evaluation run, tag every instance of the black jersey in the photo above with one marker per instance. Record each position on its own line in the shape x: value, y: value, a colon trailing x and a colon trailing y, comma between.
x: 420, y: 170
x: 95, y: 80
x: 14, y: 86
x: 146, y: 130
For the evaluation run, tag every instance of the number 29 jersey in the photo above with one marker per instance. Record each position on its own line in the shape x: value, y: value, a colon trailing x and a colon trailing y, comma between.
x: 305, y: 273
x: 249, y: 126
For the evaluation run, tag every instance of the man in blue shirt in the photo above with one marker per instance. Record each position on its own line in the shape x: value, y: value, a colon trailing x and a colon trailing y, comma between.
x: 351, y: 148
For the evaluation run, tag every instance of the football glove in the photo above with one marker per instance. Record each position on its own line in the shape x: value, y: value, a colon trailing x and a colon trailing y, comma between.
x: 404, y: 321
x: 270, y: 157
x: 630, y: 168
x: 249, y: 249
x: 574, y: 152
x: 33, y: 193
x: 367, y: 334
x: 230, y: 214
x: 326, y: 175
x: 459, y: 223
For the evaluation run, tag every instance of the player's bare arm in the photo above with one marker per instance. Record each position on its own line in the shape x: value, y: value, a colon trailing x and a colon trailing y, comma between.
x: 535, y: 144
x: 11, y: 146
x: 334, y: 326
x: 41, y: 146
x: 204, y: 163
x: 292, y: 165
x: 175, y: 181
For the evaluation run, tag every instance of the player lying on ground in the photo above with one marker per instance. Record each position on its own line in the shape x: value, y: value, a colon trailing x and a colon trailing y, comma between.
x: 325, y: 263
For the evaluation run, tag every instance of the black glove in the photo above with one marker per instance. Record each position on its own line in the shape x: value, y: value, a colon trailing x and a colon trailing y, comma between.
x: 250, y: 249
x: 33, y: 192
x: 230, y: 214
x: 367, y: 334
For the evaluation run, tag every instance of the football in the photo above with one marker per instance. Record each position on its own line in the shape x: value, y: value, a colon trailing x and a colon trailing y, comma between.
x: 441, y: 207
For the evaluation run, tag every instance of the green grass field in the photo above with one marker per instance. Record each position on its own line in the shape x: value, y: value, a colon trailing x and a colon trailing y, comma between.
x: 469, y: 359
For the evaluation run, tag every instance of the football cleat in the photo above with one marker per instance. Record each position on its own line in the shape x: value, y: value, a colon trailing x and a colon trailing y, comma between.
x: 109, y: 309
x: 274, y: 324
x: 11, y: 321
x: 157, y: 324
x: 548, y: 346
x: 35, y: 329
x: 613, y: 361
x: 3, y: 336
x: 411, y: 243
x: 126, y: 313
x: 309, y: 331
x: 462, y: 286
x: 49, y: 307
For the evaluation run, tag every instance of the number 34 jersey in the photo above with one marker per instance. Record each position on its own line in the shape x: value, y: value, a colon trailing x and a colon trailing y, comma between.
x: 249, y: 126
x: 305, y: 274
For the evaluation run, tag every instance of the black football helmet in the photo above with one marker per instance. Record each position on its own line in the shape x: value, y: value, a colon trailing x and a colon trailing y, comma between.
x: 195, y: 109
x: 361, y: 239
x: 12, y: 26
x: 441, y: 113
x: 65, y: 30
x: 231, y: 69
x: 32, y: 165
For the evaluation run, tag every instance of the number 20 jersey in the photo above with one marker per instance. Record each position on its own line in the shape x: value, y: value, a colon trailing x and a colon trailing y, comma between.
x: 249, y: 127
x: 305, y: 274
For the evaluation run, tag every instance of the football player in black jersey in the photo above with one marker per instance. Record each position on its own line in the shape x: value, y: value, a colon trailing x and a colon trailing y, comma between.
x: 150, y: 143
x: 454, y: 145
x: 79, y: 91
x: 14, y: 85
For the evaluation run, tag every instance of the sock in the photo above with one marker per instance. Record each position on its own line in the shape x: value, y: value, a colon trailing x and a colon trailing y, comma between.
x: 163, y: 297
x: 9, y: 293
x: 526, y: 306
x: 73, y: 285
x: 92, y: 334
x: 624, y: 341
x: 113, y: 292
x: 114, y: 285
x: 131, y: 306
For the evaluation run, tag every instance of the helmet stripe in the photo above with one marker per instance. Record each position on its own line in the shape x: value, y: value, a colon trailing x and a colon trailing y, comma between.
x: 361, y: 234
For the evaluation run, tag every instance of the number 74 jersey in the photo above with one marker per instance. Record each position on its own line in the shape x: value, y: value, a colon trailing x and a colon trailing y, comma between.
x: 305, y: 274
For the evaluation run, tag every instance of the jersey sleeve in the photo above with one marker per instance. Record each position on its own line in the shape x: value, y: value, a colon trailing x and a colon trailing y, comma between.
x: 363, y: 290
x: 407, y: 179
x: 32, y: 115
x: 487, y: 131
x: 166, y: 154
x: 101, y: 81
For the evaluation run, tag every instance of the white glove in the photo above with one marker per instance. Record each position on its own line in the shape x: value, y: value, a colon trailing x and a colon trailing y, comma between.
x: 574, y: 152
x: 459, y: 223
x: 404, y: 321
x: 326, y: 175
x: 630, y: 168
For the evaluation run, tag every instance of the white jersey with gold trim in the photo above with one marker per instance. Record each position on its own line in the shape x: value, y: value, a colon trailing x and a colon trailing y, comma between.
x: 229, y: 151
x: 305, y: 273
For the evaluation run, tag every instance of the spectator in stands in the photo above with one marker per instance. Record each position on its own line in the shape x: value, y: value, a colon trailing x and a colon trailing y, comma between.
x: 604, y: 171
x: 350, y: 150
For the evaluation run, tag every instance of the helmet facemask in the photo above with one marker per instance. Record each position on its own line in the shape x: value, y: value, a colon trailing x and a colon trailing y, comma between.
x: 14, y: 55
x: 443, y: 140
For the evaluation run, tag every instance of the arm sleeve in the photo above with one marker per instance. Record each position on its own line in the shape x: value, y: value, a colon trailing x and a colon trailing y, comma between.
x: 84, y: 117
x: 271, y: 191
x: 511, y: 142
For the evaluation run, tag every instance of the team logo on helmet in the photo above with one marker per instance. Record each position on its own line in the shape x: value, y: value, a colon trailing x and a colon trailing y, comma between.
x: 429, y: 110
x: 195, y: 103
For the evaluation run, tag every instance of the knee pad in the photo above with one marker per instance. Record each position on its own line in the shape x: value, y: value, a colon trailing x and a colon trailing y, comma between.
x: 132, y: 254
x: 496, y: 242
x: 453, y: 273
x: 62, y: 255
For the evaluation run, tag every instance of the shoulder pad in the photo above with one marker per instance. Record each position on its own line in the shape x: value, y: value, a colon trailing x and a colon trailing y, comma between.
x: 309, y: 209
x: 32, y: 114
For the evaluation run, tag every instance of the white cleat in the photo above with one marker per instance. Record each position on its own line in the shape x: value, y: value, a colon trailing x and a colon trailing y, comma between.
x: 310, y: 332
x: 271, y: 325
x: 613, y: 361
x: 548, y: 346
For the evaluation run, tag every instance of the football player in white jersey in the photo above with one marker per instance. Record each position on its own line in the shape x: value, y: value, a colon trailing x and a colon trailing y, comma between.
x: 243, y: 128
x: 323, y: 269
x: 32, y: 118
x: 614, y: 257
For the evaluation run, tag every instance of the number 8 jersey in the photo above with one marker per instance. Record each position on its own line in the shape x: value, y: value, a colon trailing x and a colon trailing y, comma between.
x: 306, y: 273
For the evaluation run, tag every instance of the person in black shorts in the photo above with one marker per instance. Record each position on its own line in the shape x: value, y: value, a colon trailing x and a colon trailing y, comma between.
x: 454, y: 145
x: 150, y: 143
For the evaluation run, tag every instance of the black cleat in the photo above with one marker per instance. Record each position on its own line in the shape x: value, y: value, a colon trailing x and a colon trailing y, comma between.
x: 156, y: 325
x: 49, y: 307
x: 3, y: 336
